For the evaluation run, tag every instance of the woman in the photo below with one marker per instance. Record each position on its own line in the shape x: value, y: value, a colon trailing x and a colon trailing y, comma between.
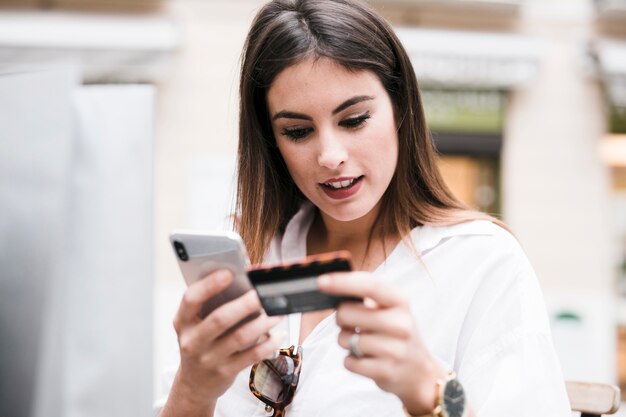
x: 335, y: 154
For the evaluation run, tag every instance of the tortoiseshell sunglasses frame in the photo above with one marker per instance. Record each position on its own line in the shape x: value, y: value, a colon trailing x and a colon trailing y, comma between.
x: 295, y: 353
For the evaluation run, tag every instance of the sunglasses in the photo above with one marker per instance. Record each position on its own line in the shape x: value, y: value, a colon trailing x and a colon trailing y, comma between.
x: 274, y: 381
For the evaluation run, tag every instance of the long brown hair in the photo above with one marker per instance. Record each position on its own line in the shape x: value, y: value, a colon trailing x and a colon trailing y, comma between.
x: 348, y: 32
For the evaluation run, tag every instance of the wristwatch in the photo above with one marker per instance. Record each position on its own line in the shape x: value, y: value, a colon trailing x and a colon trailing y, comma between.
x: 450, y: 400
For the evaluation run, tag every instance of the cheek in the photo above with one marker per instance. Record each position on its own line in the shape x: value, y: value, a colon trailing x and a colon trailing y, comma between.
x: 384, y: 147
x: 393, y: 142
x: 295, y: 160
x: 388, y: 159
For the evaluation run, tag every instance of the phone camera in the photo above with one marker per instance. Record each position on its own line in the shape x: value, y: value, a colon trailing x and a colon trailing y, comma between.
x: 180, y: 251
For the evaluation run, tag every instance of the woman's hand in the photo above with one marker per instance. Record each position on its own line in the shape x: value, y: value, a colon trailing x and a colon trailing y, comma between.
x: 393, y: 353
x: 211, y: 357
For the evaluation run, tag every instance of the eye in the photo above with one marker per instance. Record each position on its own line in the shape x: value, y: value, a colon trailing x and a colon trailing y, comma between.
x: 297, y: 133
x: 354, y: 122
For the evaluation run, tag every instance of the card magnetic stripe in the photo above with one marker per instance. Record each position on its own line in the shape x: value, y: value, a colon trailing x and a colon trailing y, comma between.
x: 309, y: 268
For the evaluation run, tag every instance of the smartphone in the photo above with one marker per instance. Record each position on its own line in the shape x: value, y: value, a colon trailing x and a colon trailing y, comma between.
x: 200, y: 253
x: 291, y: 287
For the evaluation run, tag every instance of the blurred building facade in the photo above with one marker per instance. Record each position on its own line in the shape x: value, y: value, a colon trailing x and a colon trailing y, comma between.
x: 547, y: 155
x: 526, y: 100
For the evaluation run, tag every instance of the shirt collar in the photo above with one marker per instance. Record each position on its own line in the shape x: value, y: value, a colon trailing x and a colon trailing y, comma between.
x: 429, y: 236
x: 425, y: 238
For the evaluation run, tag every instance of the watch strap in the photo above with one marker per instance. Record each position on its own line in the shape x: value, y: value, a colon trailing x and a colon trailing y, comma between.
x: 435, y: 413
x: 438, y: 410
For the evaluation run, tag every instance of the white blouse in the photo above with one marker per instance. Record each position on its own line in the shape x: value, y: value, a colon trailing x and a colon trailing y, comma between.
x: 478, y: 308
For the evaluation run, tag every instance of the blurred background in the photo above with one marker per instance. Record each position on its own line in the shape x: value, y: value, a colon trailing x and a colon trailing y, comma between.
x: 118, y: 123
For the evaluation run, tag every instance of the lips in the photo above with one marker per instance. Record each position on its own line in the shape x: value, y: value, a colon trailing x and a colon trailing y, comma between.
x: 340, y: 188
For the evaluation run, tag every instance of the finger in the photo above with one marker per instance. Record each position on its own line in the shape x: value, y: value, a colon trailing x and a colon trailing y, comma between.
x: 197, y: 293
x: 362, y: 285
x: 228, y: 314
x: 246, y: 335
x: 375, y: 345
x: 375, y: 368
x: 257, y: 353
x: 395, y: 322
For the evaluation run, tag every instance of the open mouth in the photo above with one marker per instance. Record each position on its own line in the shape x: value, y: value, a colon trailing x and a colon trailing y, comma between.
x: 341, y: 185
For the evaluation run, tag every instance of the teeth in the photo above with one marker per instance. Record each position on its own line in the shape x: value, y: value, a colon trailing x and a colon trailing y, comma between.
x: 340, y: 184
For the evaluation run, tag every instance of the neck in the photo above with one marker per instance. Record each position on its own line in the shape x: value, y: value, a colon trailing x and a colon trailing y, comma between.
x: 328, y: 234
x: 355, y: 231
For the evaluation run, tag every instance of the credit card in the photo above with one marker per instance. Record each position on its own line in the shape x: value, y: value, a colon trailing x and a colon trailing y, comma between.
x: 290, y: 288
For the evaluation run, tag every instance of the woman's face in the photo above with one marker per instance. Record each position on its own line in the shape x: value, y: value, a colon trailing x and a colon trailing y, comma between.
x: 336, y: 131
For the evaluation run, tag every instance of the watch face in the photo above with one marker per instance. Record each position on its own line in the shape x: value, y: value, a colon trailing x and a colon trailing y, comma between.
x: 453, y: 399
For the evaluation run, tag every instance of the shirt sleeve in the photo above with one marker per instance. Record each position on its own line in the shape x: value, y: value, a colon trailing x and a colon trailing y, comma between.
x: 510, y: 366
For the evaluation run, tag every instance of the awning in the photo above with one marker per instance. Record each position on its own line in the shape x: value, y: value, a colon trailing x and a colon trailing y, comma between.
x: 109, y: 47
x: 482, y: 60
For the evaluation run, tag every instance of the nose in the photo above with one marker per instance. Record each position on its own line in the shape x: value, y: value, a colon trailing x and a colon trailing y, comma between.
x: 332, y: 153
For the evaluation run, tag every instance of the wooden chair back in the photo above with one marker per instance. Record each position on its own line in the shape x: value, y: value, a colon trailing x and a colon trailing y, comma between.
x: 593, y: 399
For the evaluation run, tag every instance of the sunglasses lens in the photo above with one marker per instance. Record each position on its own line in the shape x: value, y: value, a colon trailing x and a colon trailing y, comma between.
x: 273, y: 378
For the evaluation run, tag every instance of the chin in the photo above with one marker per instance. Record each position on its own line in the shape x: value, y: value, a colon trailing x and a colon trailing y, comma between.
x: 347, y: 213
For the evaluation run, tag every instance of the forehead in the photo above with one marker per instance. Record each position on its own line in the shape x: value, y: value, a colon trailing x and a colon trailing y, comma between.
x: 319, y: 83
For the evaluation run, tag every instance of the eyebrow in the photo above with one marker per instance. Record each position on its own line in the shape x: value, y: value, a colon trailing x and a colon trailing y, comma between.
x: 349, y: 102
x: 291, y: 115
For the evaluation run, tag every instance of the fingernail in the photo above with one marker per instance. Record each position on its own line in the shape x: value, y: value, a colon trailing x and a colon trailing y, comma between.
x: 262, y: 338
x: 323, y: 281
x: 221, y: 277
